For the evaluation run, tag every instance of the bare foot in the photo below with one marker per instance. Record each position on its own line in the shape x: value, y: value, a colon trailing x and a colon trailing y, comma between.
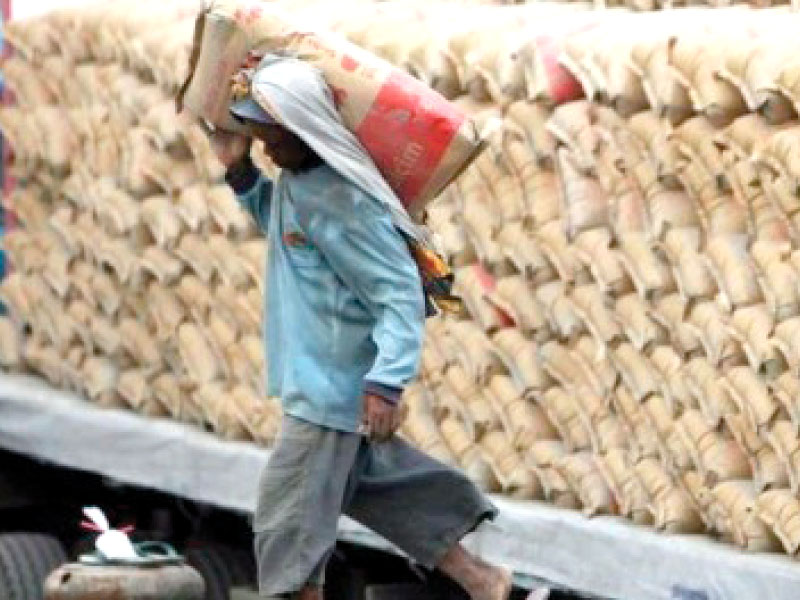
x: 310, y: 593
x: 481, y: 580
x: 496, y: 585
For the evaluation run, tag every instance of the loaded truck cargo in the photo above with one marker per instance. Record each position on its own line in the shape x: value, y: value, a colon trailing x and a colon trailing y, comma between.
x: 628, y: 261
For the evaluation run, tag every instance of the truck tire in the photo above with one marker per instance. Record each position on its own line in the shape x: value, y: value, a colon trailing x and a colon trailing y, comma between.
x: 208, y: 562
x: 46, y: 552
x: 26, y: 559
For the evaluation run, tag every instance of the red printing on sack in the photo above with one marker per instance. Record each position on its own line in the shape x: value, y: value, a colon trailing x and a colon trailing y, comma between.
x: 563, y: 86
x: 488, y: 283
x: 248, y: 15
x: 485, y: 278
x: 407, y: 131
x: 349, y: 63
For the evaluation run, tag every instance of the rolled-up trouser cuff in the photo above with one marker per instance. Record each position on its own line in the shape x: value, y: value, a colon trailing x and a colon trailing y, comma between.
x: 451, y: 537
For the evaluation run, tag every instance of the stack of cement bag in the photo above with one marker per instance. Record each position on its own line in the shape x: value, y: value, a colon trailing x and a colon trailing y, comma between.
x: 647, y: 5
x: 628, y: 252
x: 627, y: 247
x: 137, y: 279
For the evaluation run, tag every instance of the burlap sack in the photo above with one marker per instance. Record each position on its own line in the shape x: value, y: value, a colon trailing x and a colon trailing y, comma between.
x: 786, y: 390
x: 780, y: 510
x: 10, y: 344
x: 737, y: 500
x: 418, y: 140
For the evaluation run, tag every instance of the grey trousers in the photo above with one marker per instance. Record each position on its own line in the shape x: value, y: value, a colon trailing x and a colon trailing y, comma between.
x: 316, y: 474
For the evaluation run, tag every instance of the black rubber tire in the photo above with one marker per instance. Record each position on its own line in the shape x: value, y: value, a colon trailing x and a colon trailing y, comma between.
x: 213, y: 569
x: 26, y: 559
x: 14, y: 581
x: 45, y: 552
x: 35, y: 557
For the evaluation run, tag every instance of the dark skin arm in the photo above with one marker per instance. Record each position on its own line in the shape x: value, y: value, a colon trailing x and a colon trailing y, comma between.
x: 381, y: 418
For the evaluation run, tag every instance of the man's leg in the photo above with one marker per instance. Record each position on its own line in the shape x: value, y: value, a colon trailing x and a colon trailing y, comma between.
x: 299, y: 503
x: 479, y: 579
x: 424, y: 507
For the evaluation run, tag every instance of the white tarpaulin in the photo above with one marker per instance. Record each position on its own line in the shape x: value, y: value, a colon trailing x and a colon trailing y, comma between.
x: 604, y: 556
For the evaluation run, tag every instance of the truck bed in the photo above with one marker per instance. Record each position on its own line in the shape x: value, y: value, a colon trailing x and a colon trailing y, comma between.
x: 603, y: 556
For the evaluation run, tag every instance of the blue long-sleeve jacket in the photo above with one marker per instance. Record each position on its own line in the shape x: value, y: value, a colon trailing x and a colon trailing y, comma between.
x: 344, y: 308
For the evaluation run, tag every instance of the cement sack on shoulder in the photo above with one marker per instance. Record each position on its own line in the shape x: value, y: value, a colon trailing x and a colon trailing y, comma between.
x: 418, y: 140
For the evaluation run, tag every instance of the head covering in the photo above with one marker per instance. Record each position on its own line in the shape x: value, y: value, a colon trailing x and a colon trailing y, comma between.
x: 297, y: 96
x: 249, y: 110
x: 295, y: 93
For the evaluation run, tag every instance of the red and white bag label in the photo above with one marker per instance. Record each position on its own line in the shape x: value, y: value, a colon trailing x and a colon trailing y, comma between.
x: 407, y: 131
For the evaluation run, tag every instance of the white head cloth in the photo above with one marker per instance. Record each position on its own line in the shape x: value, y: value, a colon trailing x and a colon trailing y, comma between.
x: 297, y: 96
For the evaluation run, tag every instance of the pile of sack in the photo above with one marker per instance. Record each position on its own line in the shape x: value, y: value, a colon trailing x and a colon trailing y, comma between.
x: 137, y: 279
x: 648, y: 5
x: 627, y: 248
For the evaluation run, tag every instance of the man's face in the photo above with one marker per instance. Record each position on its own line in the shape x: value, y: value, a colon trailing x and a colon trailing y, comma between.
x: 284, y: 148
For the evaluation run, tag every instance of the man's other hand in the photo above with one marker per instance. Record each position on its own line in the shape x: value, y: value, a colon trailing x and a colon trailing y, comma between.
x: 381, y: 418
x: 230, y: 147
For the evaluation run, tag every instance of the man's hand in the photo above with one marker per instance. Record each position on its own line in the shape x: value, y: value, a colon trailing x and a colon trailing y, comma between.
x: 381, y: 418
x: 230, y: 147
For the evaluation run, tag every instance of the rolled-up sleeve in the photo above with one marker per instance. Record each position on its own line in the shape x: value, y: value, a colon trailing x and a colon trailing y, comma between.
x: 253, y: 191
x: 358, y: 239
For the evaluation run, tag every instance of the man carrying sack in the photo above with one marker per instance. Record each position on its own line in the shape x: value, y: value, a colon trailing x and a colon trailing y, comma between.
x: 344, y: 318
